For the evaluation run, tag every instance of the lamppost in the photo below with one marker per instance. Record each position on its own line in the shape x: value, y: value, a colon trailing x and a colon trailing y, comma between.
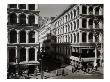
x: 17, y: 65
x: 41, y: 63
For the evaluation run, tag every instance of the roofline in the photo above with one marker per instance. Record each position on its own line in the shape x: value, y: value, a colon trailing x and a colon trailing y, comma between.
x: 71, y: 5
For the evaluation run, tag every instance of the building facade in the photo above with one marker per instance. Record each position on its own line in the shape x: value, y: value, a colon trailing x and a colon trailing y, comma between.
x: 79, y: 30
x: 22, y: 34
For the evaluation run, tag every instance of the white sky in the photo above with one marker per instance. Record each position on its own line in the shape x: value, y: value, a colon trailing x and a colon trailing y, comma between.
x: 47, y: 10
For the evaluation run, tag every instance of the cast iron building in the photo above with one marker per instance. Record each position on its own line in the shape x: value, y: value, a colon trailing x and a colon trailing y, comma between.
x: 79, y: 30
x: 22, y: 28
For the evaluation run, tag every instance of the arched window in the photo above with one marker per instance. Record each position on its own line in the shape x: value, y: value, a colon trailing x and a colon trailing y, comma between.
x: 71, y: 25
x: 22, y: 6
x: 97, y: 11
x: 13, y: 18
x: 13, y: 36
x: 22, y: 19
x: 66, y: 18
x: 90, y: 22
x: 84, y: 10
x: 71, y: 38
x: 74, y: 25
x: 71, y: 13
x: 74, y: 13
x: 68, y: 27
x: 74, y: 38
x: 84, y: 23
x: 31, y: 6
x: 77, y: 37
x: 90, y: 37
x: 78, y: 10
x: 90, y: 10
x: 31, y: 37
x: 78, y: 23
x: 22, y: 54
x: 31, y: 54
x: 83, y: 37
x: 22, y: 37
x: 31, y: 19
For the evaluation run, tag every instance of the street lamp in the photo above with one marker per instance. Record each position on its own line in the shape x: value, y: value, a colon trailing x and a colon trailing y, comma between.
x: 41, y: 63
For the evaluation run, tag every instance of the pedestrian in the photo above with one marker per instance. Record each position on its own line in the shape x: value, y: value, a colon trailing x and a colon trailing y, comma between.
x: 63, y: 72
x: 57, y: 72
x: 72, y: 69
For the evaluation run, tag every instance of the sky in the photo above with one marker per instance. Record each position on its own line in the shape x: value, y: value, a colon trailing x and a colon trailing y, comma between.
x: 51, y: 10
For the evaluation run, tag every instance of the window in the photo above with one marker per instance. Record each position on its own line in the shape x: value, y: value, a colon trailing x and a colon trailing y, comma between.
x: 78, y: 10
x: 84, y: 23
x: 77, y: 23
x: 74, y: 38
x: 74, y: 25
x: 83, y: 37
x: 71, y: 14
x: 90, y: 10
x: 12, y: 54
x: 31, y: 19
x: 22, y: 37
x: 22, y: 54
x: 90, y: 22
x: 66, y: 18
x: 31, y: 54
x: 31, y: 37
x: 84, y: 10
x: 74, y: 13
x: 90, y: 37
x: 13, y: 5
x: 13, y: 36
x: 97, y: 11
x: 77, y: 37
x: 13, y: 18
x: 22, y: 6
x: 71, y: 38
x: 31, y: 6
x: 71, y: 25
x: 22, y: 19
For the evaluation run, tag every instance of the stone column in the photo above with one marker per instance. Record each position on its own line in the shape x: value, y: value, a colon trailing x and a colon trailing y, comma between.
x: 36, y: 19
x: 87, y: 37
x: 80, y: 9
x: 95, y: 60
x: 36, y: 37
x: 27, y: 36
x: 93, y: 37
x: 17, y: 6
x: 80, y: 37
x: 80, y: 23
x: 18, y: 36
x: 27, y: 20
x: 36, y: 6
x: 27, y: 54
x: 94, y: 10
x: 87, y: 23
x: 36, y: 50
x: 17, y: 17
x: 26, y: 6
x: 87, y: 10
x: 93, y: 24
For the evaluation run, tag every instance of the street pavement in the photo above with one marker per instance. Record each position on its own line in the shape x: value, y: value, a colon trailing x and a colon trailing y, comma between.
x: 67, y: 74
